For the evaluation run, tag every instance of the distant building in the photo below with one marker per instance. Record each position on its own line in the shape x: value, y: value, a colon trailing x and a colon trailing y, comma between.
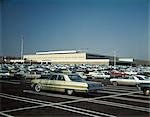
x: 67, y: 57
x: 8, y: 59
x: 81, y: 57
x: 17, y: 61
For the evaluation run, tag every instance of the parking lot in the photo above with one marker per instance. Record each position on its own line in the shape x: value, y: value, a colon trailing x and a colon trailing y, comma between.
x: 18, y: 99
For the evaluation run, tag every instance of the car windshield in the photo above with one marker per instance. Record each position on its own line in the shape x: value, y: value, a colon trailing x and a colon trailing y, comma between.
x: 76, y: 78
x: 140, y: 78
x: 147, y: 78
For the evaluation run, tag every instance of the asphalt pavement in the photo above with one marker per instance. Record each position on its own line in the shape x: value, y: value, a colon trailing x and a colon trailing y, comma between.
x: 17, y: 99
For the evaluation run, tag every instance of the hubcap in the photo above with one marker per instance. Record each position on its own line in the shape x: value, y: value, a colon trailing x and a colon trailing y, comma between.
x: 115, y: 83
x: 69, y: 92
x: 147, y: 92
x: 37, y: 88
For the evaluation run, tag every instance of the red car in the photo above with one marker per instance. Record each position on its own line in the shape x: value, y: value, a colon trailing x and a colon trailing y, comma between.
x: 116, y: 73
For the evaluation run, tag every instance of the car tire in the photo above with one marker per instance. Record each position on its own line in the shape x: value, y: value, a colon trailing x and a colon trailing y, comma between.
x: 115, y: 83
x: 69, y: 91
x: 37, y: 87
x: 146, y: 91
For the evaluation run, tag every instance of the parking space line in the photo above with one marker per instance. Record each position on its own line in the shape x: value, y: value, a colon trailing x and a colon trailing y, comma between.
x: 121, y: 105
x: 80, y: 112
x: 117, y: 90
x: 81, y: 109
x: 122, y: 88
x: 64, y: 107
x: 54, y: 105
x: 57, y: 105
x: 86, y: 99
x: 132, y: 95
x: 24, y: 108
x: 118, y: 94
x: 34, y: 101
x: 109, y: 92
x: 73, y: 97
x: 92, y: 99
x: 81, y: 99
x: 140, y: 96
x: 68, y: 108
x: 9, y: 82
x: 140, y: 92
x: 67, y: 102
x: 6, y: 115
x: 18, y: 99
x: 133, y: 100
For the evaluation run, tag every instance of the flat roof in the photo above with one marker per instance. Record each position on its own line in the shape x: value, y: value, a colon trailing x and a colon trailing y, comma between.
x: 59, y: 52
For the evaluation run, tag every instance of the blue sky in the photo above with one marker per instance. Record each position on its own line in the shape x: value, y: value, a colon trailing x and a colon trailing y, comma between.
x: 97, y: 26
x: 0, y: 31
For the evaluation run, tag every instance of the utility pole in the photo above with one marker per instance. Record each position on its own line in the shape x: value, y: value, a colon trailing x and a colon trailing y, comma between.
x: 22, y: 39
x: 114, y: 58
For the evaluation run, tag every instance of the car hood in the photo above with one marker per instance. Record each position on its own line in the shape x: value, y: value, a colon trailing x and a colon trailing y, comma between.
x: 144, y: 81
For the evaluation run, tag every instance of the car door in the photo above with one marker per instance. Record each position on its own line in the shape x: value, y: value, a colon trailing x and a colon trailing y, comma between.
x: 51, y: 82
x: 60, y: 83
x: 129, y: 80
x: 123, y: 80
x: 43, y: 82
x: 132, y: 80
x: 56, y: 83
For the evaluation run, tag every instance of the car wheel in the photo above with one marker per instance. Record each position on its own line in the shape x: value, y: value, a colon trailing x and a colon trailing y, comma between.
x: 146, y: 91
x: 115, y: 83
x: 37, y: 87
x: 69, y: 91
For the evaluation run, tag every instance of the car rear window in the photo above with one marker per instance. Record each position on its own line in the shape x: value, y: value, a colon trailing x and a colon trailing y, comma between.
x: 60, y: 77
x: 76, y: 78
x: 53, y: 77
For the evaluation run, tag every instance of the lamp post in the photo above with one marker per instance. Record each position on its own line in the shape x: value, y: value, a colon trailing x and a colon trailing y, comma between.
x: 114, y: 58
x: 22, y: 47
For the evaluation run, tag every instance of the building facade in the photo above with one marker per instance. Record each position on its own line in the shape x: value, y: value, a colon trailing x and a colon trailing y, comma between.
x: 66, y: 57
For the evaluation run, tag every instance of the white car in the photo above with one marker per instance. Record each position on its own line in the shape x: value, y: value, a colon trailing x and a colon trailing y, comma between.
x: 97, y: 74
x: 4, y: 74
x: 130, y: 72
x: 129, y: 80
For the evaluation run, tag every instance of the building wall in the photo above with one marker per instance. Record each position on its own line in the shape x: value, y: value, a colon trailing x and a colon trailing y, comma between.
x: 50, y: 57
x: 68, y: 58
x: 91, y: 61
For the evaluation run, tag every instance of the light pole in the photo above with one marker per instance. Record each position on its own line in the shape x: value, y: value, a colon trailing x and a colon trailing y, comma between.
x: 22, y: 47
x: 114, y: 58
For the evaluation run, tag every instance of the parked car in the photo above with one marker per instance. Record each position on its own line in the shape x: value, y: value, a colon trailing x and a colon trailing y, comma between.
x: 129, y: 80
x: 104, y: 81
x: 97, y: 74
x: 31, y: 75
x: 4, y: 74
x: 19, y: 75
x: 116, y: 73
x: 145, y: 87
x: 65, y: 83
